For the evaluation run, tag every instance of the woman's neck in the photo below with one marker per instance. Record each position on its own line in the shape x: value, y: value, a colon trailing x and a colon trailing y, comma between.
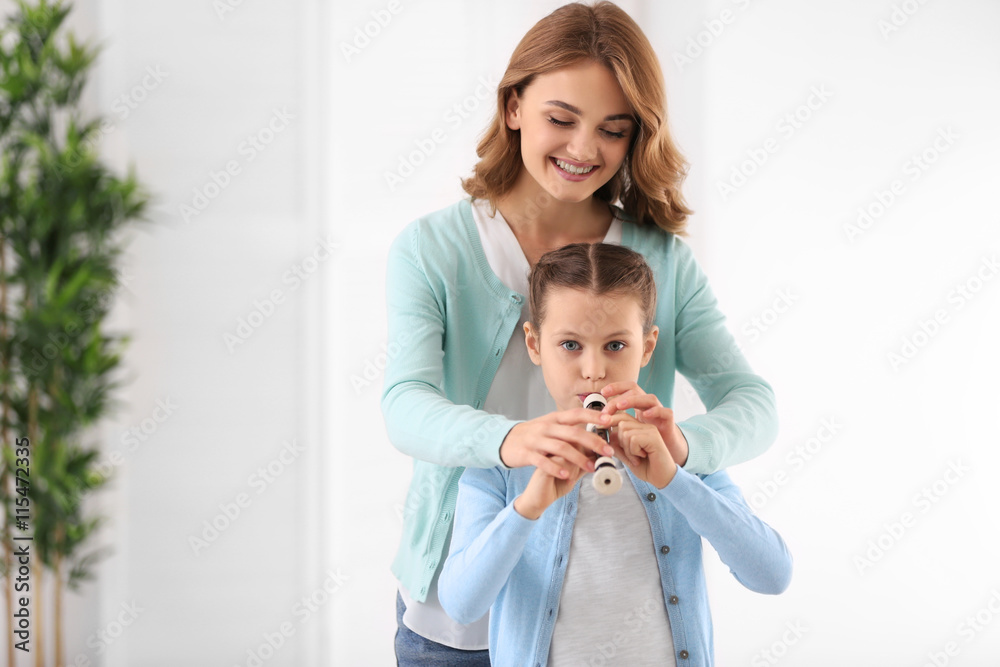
x: 541, y: 222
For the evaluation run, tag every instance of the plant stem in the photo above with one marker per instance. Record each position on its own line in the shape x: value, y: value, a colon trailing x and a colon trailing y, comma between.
x: 57, y: 572
x: 39, y: 610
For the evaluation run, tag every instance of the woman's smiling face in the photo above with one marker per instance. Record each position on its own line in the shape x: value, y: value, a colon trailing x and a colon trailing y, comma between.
x: 575, y: 126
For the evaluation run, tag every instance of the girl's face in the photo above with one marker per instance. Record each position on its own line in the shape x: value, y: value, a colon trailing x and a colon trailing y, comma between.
x: 587, y: 341
x: 574, y: 119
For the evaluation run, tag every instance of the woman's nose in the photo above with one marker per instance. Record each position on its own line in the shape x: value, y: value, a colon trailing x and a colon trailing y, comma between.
x: 582, y: 146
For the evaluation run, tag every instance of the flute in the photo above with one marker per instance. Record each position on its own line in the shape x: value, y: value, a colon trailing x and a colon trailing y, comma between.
x: 607, y: 479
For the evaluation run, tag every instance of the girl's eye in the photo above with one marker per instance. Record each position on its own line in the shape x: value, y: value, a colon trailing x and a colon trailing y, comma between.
x: 570, y: 345
x: 616, y: 346
x: 563, y: 123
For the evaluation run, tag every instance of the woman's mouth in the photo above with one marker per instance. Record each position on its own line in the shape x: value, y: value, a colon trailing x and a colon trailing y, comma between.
x: 572, y: 172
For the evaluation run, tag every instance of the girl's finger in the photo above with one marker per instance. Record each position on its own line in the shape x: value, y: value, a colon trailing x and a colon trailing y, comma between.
x: 626, y: 457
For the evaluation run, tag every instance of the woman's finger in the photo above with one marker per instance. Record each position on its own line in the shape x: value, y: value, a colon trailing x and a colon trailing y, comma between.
x: 550, y: 467
x: 635, y: 401
x: 658, y: 413
x: 575, y: 417
x: 581, y: 438
x: 609, y: 421
x: 617, y: 388
x: 571, y: 453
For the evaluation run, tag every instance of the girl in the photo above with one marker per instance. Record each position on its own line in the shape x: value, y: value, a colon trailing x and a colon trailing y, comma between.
x: 580, y: 125
x: 575, y: 577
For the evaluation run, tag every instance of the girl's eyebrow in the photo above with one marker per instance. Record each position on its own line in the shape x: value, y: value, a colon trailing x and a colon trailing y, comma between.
x: 572, y: 334
x: 573, y: 109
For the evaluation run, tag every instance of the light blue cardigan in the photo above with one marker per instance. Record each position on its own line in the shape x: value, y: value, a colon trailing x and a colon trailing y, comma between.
x: 515, y: 568
x: 449, y: 321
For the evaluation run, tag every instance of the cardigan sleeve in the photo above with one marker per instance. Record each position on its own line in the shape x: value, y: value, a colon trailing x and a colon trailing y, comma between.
x: 741, y: 420
x: 420, y: 420
x: 715, y: 509
x: 487, y: 541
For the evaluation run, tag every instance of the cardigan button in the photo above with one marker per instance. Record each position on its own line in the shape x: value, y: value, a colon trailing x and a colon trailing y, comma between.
x: 673, y: 599
x: 651, y: 496
x: 664, y: 549
x: 684, y: 655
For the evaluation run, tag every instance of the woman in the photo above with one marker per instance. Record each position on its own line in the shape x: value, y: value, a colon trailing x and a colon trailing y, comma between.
x: 581, y: 124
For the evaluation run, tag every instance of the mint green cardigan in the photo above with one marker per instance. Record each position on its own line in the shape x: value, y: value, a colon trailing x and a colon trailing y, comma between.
x: 450, y: 320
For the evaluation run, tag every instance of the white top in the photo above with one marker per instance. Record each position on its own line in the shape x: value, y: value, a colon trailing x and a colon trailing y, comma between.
x: 611, y: 609
x: 518, y: 392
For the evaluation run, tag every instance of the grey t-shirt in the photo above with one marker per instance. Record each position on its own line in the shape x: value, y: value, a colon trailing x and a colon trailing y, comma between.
x: 611, y: 609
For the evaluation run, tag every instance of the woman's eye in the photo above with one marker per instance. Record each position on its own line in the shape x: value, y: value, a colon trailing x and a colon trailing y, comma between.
x: 570, y: 345
x: 565, y: 123
x: 616, y: 346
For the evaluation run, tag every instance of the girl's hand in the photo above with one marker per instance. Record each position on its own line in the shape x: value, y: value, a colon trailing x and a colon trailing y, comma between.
x: 539, y: 441
x: 543, y: 489
x: 642, y: 448
x: 648, y: 410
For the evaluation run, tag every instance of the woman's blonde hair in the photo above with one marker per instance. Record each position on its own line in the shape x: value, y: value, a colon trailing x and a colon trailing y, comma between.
x: 648, y: 184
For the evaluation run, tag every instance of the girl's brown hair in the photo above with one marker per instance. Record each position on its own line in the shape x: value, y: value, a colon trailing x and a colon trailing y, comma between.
x: 649, y: 181
x: 599, y: 268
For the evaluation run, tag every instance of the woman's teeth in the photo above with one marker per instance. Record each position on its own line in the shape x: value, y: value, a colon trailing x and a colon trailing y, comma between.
x: 574, y: 170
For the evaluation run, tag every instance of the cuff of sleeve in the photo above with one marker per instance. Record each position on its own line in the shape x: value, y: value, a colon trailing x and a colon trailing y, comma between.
x: 700, y: 455
x: 680, y: 487
x: 509, y: 424
x: 519, y: 526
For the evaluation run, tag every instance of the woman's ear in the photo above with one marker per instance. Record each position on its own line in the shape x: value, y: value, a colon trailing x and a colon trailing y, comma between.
x: 512, y: 115
x: 532, y: 343
x: 649, y: 344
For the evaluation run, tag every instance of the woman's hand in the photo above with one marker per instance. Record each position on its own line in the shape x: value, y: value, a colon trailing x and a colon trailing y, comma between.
x: 543, y: 489
x: 558, y: 434
x: 648, y: 410
x: 642, y: 448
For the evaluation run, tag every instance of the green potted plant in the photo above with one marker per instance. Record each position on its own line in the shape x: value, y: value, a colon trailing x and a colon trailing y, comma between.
x: 61, y: 217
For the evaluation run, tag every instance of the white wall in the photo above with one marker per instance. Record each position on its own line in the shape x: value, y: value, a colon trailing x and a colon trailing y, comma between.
x: 302, y: 374
x: 220, y: 79
x: 855, y: 294
x: 890, y: 432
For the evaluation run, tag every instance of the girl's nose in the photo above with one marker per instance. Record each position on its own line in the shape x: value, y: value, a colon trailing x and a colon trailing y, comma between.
x: 593, y: 367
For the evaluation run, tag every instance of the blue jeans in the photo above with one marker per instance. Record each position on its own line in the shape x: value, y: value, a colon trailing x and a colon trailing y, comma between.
x: 412, y: 650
